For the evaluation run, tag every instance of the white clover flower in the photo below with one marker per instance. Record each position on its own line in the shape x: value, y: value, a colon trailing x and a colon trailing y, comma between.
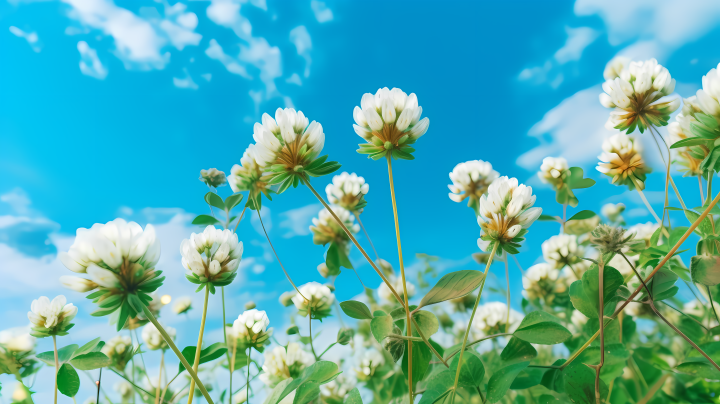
x: 505, y: 212
x: 212, y: 256
x: 337, y: 389
x: 17, y: 340
x: 707, y: 98
x: 240, y: 397
x: 619, y: 263
x: 368, y: 364
x: 125, y: 390
x: 182, y: 305
x: 615, y: 66
x: 153, y: 339
x: 323, y: 270
x: 348, y: 191
x: 119, y: 349
x: 643, y: 231
x: 213, y: 177
x: 326, y: 229
x: 320, y: 300
x: 251, y: 328
x: 281, y: 364
x: 562, y: 250
x: 390, y: 121
x: 119, y: 258
x: 90, y: 400
x: 20, y: 394
x: 51, y: 318
x: 612, y: 211
x: 286, y: 298
x: 541, y: 282
x: 248, y: 175
x: 470, y: 180
x: 491, y: 318
x: 552, y: 169
x: 622, y: 161
x: 636, y: 94
x: 386, y: 294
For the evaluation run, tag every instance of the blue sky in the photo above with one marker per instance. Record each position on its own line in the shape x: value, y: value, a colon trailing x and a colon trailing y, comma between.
x: 111, y: 109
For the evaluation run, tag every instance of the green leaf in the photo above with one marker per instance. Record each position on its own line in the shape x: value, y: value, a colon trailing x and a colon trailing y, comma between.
x: 691, y: 141
x: 68, y: 380
x: 47, y: 357
x: 580, y: 301
x: 576, y: 181
x: 427, y: 322
x: 501, y: 380
x: 438, y: 387
x: 208, y: 354
x: 553, y: 378
x: 472, y: 371
x: 215, y: 200
x: 582, y: 215
x: 89, y: 347
x: 580, y: 384
x: 90, y: 361
x: 345, y: 335
x: 292, y: 330
x: 516, y: 351
x: 548, y: 218
x: 307, y: 384
x: 526, y: 379
x: 452, y: 286
x: 539, y: 327
x: 699, y: 369
x: 233, y: 200
x: 612, y: 280
x: 705, y: 270
x: 205, y: 220
x: 381, y: 327
x: 65, y: 353
x: 336, y: 258
x: 355, y: 309
x: 353, y: 397
x: 275, y: 396
x: 421, y: 356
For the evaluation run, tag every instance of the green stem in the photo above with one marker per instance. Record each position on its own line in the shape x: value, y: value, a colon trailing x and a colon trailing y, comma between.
x: 655, y: 387
x: 327, y: 349
x: 191, y: 393
x: 159, y: 381
x: 507, y: 280
x: 712, y: 304
x: 247, y: 385
x: 132, y: 383
x: 57, y: 366
x: 472, y: 316
x: 310, y: 332
x: 239, y: 219
x: 287, y: 275
x: 142, y: 358
x: 227, y: 352
x: 367, y: 236
x: 402, y: 273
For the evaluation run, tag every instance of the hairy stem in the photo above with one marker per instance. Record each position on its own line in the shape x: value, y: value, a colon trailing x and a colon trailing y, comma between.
x: 199, y: 345
x: 310, y: 332
x: 57, y: 365
x: 287, y: 275
x: 239, y: 219
x: 702, y: 196
x: 367, y: 236
x: 402, y: 273
x: 647, y: 204
x: 472, y: 316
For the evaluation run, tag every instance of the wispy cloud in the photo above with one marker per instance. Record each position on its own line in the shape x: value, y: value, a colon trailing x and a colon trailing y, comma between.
x: 90, y: 64
x: 300, y: 37
x: 185, y: 82
x: 322, y: 12
x: 298, y: 220
x: 31, y: 37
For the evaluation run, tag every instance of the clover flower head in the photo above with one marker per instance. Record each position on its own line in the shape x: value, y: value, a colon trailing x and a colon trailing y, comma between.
x: 397, y: 284
x: 212, y: 257
x: 323, y: 270
x: 51, y: 317
x: 636, y: 95
x: 368, y: 364
x: 612, y: 211
x: 562, y: 250
x: 689, y: 157
x: 213, y: 177
x: 622, y: 161
x: 552, y: 169
x: 125, y: 390
x: 17, y: 340
x: 348, y: 191
x: 541, y: 282
x: 615, y: 66
x: 389, y: 121
x: 609, y: 239
x: 319, y: 300
x: 90, y: 400
x: 20, y: 394
x: 643, y: 231
x: 326, y: 229
x: 708, y: 96
x: 470, y: 180
x: 251, y: 328
x: 119, y: 349
x: 249, y: 175
x: 182, y: 305
x: 506, y: 212
x: 240, y: 397
x: 491, y: 318
x: 286, y: 298
x: 119, y: 259
x: 338, y: 389
x: 619, y: 263
x: 153, y: 339
x: 281, y: 363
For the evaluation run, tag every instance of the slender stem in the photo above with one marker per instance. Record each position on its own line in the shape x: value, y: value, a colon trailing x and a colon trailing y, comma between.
x: 287, y: 275
x: 354, y: 240
x: 191, y: 393
x: 310, y: 331
x: 504, y: 334
x: 402, y: 273
x: 564, y: 217
x: 367, y: 236
x: 702, y: 196
x: 432, y: 348
x: 507, y: 280
x: 712, y: 304
x: 326, y: 349
x: 647, y: 204
x: 132, y: 383
x: 132, y: 360
x: 227, y: 352
x: 57, y: 365
x: 601, y: 318
x: 518, y: 263
x: 655, y: 387
x: 472, y: 316
x: 142, y: 358
x: 159, y: 381
x: 610, y: 389
x: 240, y: 218
x: 668, y: 177
x: 247, y: 385
x: 232, y: 365
x: 164, y: 392
x: 97, y: 399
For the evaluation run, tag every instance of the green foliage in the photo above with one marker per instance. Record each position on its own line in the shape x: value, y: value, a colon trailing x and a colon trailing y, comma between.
x: 580, y: 384
x: 68, y: 380
x: 337, y: 257
x: 584, y: 294
x: 208, y: 354
x: 452, y: 286
x: 540, y: 327
x: 705, y: 270
x: 472, y: 370
x: 307, y: 384
x: 571, y: 179
x: 502, y: 379
x: 356, y: 310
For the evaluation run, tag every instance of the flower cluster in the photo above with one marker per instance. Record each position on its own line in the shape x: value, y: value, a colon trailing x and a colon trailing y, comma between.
x: 389, y: 121
x: 470, y: 180
x: 249, y: 176
x: 506, y: 212
x: 368, y: 364
x: 491, y: 318
x: 643, y: 231
x: 541, y: 282
x: 336, y: 391
x: 318, y: 300
x: 635, y: 92
x: 348, y: 191
x: 386, y: 294
x: 251, y: 329
x: 613, y: 212
x: 609, y: 239
x: 120, y: 350
x: 551, y: 171
x: 182, y: 305
x: 622, y: 161
x: 212, y: 257
x: 689, y: 157
x: 562, y: 250
x: 17, y: 351
x: 119, y: 258
x: 153, y: 339
x: 213, y: 177
x: 325, y: 228
x: 17, y: 340
x: 281, y: 363
x: 51, y: 318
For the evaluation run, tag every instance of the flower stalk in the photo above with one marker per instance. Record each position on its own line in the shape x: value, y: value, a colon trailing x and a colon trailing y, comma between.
x: 199, y: 345
x: 57, y: 365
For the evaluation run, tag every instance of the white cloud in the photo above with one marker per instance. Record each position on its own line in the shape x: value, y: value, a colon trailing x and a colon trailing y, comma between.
x: 578, y: 39
x: 206, y: 76
x: 180, y: 26
x: 215, y: 51
x: 31, y: 37
x: 90, y: 64
x: 18, y: 200
x: 300, y: 37
x: 186, y: 82
x: 294, y: 79
x: 298, y: 220
x: 321, y: 10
